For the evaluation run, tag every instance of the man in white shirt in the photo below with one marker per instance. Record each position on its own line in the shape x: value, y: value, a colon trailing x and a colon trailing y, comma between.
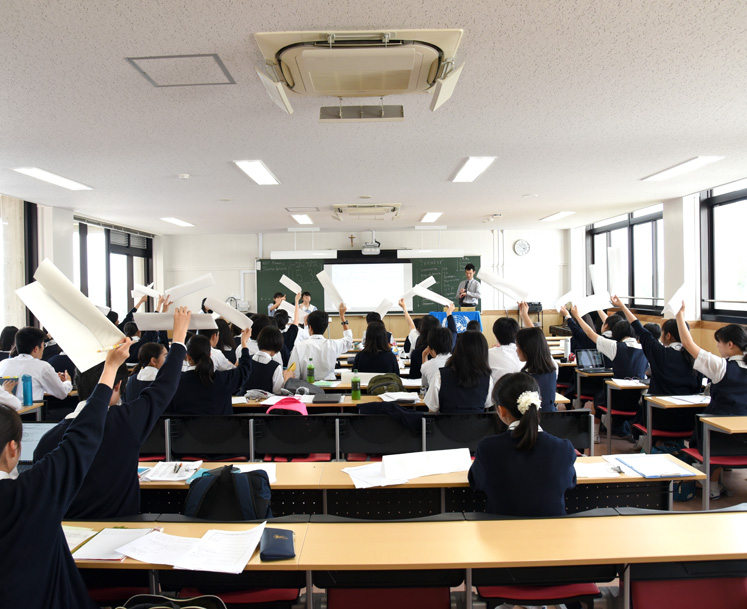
x: 502, y: 358
x: 30, y: 347
x: 324, y: 351
x: 468, y: 291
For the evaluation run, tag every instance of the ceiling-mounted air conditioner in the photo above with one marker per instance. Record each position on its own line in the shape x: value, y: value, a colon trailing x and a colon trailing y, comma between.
x: 366, y: 211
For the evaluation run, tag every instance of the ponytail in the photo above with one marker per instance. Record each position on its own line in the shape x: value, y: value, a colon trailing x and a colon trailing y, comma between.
x: 198, y: 349
x: 146, y: 353
x: 519, y: 394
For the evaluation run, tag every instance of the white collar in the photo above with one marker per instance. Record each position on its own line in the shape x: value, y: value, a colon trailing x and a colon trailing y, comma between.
x: 515, y: 424
x: 675, y: 346
x: 317, y: 336
x: 736, y: 358
x: 631, y: 342
x: 24, y: 356
x: 262, y: 355
x: 81, y: 405
x: 147, y: 374
x: 9, y: 476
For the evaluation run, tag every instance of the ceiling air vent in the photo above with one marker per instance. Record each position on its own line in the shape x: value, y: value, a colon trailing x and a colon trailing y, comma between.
x: 366, y: 211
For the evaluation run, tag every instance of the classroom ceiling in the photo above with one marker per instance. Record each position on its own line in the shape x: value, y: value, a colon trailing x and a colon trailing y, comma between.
x: 577, y: 99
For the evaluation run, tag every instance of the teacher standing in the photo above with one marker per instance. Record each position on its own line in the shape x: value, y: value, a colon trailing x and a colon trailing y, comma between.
x: 468, y: 291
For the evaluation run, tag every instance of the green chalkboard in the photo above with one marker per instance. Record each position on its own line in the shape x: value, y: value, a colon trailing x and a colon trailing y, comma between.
x: 447, y: 272
x: 303, y: 272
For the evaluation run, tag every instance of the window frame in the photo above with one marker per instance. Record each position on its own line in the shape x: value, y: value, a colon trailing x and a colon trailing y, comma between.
x: 709, y: 311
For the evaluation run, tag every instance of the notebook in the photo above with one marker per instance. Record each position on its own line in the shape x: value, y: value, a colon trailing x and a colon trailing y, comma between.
x: 32, y: 433
x: 590, y: 360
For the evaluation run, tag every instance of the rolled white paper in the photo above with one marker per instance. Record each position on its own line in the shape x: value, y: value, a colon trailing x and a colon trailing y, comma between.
x: 431, y: 295
x: 165, y: 321
x: 563, y: 300
x: 190, y: 287
x: 227, y: 312
x: 595, y: 302
x: 674, y: 303
x: 290, y: 284
x: 144, y: 290
x: 385, y: 305
x: 598, y: 280
x: 509, y: 288
x: 288, y: 307
x: 330, y: 289
x: 426, y: 283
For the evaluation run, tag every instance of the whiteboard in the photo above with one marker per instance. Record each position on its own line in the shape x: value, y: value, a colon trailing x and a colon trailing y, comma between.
x: 364, y: 286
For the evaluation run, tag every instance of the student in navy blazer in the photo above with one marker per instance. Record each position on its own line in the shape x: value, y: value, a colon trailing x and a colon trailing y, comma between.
x: 523, y: 471
x: 111, y: 488
x: 531, y: 347
x: 150, y: 358
x: 36, y: 568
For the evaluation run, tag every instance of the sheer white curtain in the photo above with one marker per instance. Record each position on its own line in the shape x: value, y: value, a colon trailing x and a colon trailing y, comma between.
x: 13, y: 265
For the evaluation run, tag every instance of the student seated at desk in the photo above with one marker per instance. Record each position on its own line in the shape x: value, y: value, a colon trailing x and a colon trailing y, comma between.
x: 464, y: 383
x: 435, y: 355
x: 376, y: 355
x: 428, y: 323
x: 412, y: 336
x: 7, y: 342
x: 202, y: 389
x: 324, y: 351
x: 375, y: 317
x: 220, y: 361
x: 290, y: 330
x: 30, y: 347
x: 266, y: 373
x: 579, y: 339
x: 532, y: 348
x: 36, y: 568
x: 111, y: 488
x: 259, y: 323
x: 503, y: 358
x: 7, y: 398
x: 151, y: 357
x: 524, y: 471
x: 225, y: 344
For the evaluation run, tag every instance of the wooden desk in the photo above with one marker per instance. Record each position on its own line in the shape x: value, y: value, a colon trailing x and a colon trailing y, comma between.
x: 610, y: 387
x: 660, y: 402
x: 728, y: 425
x: 581, y: 374
x: 36, y: 407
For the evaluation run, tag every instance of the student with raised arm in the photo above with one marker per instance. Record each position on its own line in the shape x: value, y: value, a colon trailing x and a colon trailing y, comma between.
x: 524, y: 471
x: 503, y: 358
x: 428, y: 323
x: 111, y: 488
x: 266, y: 373
x: 728, y: 374
x: 531, y: 347
x: 36, y: 568
x: 202, y: 389
x: 289, y: 329
x: 324, y: 351
x: 412, y: 336
x: 259, y: 322
x: 277, y: 300
x: 151, y: 357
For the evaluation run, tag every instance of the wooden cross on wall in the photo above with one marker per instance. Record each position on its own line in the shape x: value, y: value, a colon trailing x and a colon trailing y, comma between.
x: 351, y: 237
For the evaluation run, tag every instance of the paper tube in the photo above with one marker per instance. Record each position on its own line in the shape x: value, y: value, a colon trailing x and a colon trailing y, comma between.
x: 228, y: 313
x: 190, y: 287
x: 291, y: 285
x: 330, y: 289
x: 509, y: 288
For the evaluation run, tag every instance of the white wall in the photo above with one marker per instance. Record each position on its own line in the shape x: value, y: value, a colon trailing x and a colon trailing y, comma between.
x: 184, y: 257
x: 56, y: 228
x: 12, y: 275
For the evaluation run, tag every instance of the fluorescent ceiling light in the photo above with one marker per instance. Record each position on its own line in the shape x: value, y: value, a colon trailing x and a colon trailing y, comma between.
x: 431, y: 227
x: 302, y: 218
x: 303, y: 254
x: 258, y: 172
x: 177, y: 221
x: 434, y: 253
x: 473, y: 167
x: 558, y: 216
x: 303, y: 229
x: 680, y: 168
x: 431, y: 216
x: 52, y: 178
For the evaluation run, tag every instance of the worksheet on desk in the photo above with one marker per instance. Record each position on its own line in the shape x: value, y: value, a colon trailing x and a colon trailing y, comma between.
x: 222, y: 551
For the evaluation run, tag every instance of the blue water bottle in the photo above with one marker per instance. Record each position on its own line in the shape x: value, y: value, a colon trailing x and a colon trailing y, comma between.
x: 28, y: 393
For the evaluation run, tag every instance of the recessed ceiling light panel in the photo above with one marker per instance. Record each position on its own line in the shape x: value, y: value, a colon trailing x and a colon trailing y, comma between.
x: 431, y: 216
x: 302, y: 218
x: 473, y: 167
x: 557, y: 216
x: 177, y: 221
x: 52, y: 178
x: 258, y: 172
x: 689, y: 165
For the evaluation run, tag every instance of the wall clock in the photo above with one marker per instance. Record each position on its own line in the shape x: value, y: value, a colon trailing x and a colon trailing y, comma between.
x: 521, y: 247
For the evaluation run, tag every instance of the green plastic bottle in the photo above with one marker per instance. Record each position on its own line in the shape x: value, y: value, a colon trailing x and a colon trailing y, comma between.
x: 355, y: 386
x: 310, y: 371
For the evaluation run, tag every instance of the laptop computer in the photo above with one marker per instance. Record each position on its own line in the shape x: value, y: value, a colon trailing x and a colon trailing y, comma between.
x: 32, y: 433
x: 590, y: 360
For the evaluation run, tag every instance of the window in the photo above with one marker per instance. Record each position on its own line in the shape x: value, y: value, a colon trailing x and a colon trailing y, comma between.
x: 724, y: 288
x: 629, y: 250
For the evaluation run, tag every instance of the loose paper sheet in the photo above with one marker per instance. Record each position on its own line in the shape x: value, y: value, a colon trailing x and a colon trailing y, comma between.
x: 595, y: 302
x: 165, y: 321
x: 618, y: 278
x: 222, y: 551
x: 367, y: 476
x: 628, y: 383
x: 687, y: 399
x: 145, y: 290
x: 79, y: 328
x: 414, y: 465
x: 598, y: 276
x: 511, y: 289
x: 426, y: 283
x: 228, y: 313
x: 674, y: 303
x: 399, y: 396
x: 289, y: 308
x: 431, y: 295
x: 103, y: 308
x: 330, y: 289
x: 594, y: 470
x: 158, y: 548
x: 172, y: 470
x: 384, y: 307
x: 291, y: 285
x: 190, y: 287
x: 74, y: 536
x: 563, y: 300
x: 104, y: 545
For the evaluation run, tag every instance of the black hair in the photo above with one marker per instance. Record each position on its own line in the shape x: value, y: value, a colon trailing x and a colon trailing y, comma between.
x: 506, y: 393
x: 439, y: 340
x: 281, y: 318
x: 270, y: 339
x: 733, y: 333
x: 654, y: 329
x: 28, y: 339
x: 318, y: 321
x: 225, y: 336
x: 533, y: 345
x: 473, y: 326
x: 376, y: 338
x: 85, y: 382
x: 7, y: 338
x: 306, y: 294
x: 259, y: 322
x: 469, y: 267
x: 278, y: 295
x: 670, y: 327
x: 198, y: 348
x: 622, y: 330
x: 505, y: 329
x: 11, y: 427
x: 130, y: 329
x: 112, y: 316
x: 427, y: 323
x: 203, y: 308
x: 469, y: 361
x: 612, y: 320
x: 146, y: 353
x: 373, y: 316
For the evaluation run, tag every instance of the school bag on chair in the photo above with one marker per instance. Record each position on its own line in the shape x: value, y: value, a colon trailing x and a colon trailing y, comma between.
x: 226, y: 495
x: 156, y: 601
x: 382, y: 383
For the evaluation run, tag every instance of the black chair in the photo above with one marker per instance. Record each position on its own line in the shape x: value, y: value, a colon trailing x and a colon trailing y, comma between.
x: 448, y: 431
x: 366, y: 434
x: 574, y: 425
x: 213, y: 438
x: 154, y: 447
x: 303, y: 438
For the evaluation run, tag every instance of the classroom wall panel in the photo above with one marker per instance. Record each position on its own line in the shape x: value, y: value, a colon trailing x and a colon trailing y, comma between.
x: 12, y: 273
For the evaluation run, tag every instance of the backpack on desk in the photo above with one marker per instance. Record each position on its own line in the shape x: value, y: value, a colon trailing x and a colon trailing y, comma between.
x: 227, y: 495
x: 383, y: 383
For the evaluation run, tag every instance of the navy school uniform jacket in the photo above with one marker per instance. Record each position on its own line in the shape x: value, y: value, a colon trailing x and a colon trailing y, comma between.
x: 452, y: 398
x: 524, y: 483
x: 547, y: 383
x: 134, y: 388
x: 36, y: 568
x: 416, y: 357
x: 112, y: 488
x: 383, y: 362
x: 261, y: 375
x: 192, y: 397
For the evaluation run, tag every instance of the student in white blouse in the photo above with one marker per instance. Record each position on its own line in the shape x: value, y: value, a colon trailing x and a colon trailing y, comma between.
x: 503, y: 358
x: 324, y: 351
x: 30, y: 347
x: 439, y: 349
x: 259, y: 323
x: 6, y: 395
x: 306, y: 307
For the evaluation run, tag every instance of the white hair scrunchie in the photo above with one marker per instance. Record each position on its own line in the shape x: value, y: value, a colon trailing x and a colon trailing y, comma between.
x: 526, y: 399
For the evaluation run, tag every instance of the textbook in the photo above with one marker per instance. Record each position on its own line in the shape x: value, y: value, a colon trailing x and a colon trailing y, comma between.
x: 79, y: 328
